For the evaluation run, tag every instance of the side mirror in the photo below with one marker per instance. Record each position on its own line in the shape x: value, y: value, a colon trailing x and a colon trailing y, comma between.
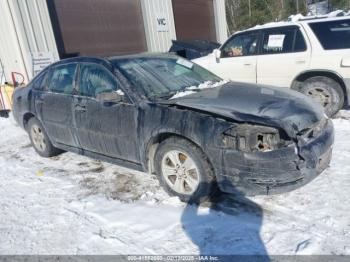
x: 217, y: 55
x: 110, y: 97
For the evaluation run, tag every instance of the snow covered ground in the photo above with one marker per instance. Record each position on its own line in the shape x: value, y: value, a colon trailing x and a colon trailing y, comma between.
x: 71, y: 204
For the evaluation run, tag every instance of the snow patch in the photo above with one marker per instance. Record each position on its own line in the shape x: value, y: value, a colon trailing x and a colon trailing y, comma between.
x: 295, y: 18
x: 205, y: 85
x: 183, y: 93
x: 336, y: 13
x: 82, y: 206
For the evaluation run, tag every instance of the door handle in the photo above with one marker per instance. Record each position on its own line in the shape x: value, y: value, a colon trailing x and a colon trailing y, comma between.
x: 300, y: 61
x: 80, y: 108
x: 247, y: 64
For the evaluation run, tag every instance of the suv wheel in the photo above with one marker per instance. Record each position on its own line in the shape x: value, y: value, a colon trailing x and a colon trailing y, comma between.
x: 40, y: 140
x: 325, y: 91
x: 183, y: 170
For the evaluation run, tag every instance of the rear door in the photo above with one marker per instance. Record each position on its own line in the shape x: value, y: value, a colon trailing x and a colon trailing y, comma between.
x: 109, y: 129
x: 238, y: 58
x: 284, y: 54
x: 54, y: 104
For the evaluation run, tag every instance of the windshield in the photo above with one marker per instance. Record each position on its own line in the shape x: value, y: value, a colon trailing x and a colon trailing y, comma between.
x: 161, y: 78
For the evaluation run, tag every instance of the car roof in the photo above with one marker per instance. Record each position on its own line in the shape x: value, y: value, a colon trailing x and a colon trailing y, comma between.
x: 296, y: 20
x: 80, y: 59
x: 142, y: 55
x: 111, y: 59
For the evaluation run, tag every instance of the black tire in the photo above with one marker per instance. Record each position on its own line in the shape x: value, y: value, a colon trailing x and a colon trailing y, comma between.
x: 329, y: 91
x: 207, y: 184
x: 46, y: 151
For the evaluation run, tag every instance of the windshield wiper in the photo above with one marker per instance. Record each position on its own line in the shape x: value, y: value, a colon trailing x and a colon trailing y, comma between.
x: 163, y: 96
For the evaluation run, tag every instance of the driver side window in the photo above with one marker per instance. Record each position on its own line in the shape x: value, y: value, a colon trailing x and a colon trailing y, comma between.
x: 95, y: 79
x: 241, y: 45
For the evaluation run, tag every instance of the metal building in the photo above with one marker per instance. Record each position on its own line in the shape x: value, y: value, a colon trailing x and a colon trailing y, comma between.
x: 34, y: 33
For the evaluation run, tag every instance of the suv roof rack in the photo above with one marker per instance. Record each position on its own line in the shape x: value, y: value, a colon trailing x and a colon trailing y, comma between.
x: 337, y: 13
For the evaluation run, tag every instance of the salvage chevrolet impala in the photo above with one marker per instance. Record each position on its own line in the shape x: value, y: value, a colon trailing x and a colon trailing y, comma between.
x: 165, y: 115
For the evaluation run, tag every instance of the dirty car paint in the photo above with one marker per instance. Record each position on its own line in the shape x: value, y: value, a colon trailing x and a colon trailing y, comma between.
x: 287, y: 109
x: 127, y: 133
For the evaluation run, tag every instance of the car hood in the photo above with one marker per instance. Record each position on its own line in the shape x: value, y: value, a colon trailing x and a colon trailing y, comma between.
x: 256, y: 104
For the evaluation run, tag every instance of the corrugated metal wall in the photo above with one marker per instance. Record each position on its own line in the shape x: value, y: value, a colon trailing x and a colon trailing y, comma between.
x: 220, y: 20
x: 10, y: 51
x: 161, y: 41
x: 25, y: 27
x: 158, y: 41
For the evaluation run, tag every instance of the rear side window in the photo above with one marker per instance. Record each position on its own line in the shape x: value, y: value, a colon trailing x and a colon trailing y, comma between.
x: 62, y: 79
x: 95, y: 79
x: 299, y: 45
x: 38, y: 82
x: 333, y: 35
x: 283, y: 40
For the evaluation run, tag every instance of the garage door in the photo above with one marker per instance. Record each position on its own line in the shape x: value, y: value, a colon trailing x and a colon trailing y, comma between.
x: 103, y: 27
x: 194, y: 19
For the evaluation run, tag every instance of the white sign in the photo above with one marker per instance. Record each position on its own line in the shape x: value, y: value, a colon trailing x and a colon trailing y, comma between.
x: 276, y: 41
x: 162, y: 23
x: 184, y: 63
x: 40, y: 60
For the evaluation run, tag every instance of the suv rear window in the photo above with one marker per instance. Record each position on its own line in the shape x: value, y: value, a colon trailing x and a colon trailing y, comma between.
x: 334, y: 34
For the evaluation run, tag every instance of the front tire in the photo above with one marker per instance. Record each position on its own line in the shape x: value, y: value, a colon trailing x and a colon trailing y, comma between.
x: 325, y: 91
x: 39, y: 139
x: 184, y: 170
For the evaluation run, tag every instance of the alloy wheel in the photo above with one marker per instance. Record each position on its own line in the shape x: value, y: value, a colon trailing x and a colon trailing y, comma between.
x: 38, y: 138
x: 180, y: 172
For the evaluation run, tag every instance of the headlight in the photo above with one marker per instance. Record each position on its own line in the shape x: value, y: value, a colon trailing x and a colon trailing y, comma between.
x: 252, y: 138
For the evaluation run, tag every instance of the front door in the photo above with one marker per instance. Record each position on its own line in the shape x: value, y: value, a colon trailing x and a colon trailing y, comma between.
x: 108, y: 128
x: 54, y: 104
x: 238, y: 58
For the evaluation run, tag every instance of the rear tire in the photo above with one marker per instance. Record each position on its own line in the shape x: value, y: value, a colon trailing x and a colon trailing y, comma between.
x: 325, y: 91
x: 183, y: 170
x: 39, y: 139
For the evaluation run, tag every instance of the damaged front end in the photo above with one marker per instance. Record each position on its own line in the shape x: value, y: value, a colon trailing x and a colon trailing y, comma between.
x: 253, y: 138
x: 264, y: 160
x: 273, y: 140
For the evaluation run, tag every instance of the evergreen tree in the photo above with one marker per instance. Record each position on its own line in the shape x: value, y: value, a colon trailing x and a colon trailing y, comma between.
x: 339, y: 4
x: 242, y: 14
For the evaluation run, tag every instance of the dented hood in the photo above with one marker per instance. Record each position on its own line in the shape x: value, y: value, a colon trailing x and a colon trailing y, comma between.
x: 265, y: 105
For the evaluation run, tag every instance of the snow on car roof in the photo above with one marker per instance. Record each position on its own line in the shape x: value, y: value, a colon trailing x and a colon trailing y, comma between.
x: 300, y: 19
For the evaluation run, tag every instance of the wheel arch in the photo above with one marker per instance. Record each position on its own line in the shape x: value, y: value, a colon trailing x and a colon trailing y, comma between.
x: 153, y: 144
x: 326, y: 73
x: 26, y: 117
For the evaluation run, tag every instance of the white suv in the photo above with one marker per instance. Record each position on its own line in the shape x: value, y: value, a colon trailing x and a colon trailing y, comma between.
x: 309, y: 55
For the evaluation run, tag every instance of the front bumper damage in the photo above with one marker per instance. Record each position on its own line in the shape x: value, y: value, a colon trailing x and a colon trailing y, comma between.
x: 277, y: 171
